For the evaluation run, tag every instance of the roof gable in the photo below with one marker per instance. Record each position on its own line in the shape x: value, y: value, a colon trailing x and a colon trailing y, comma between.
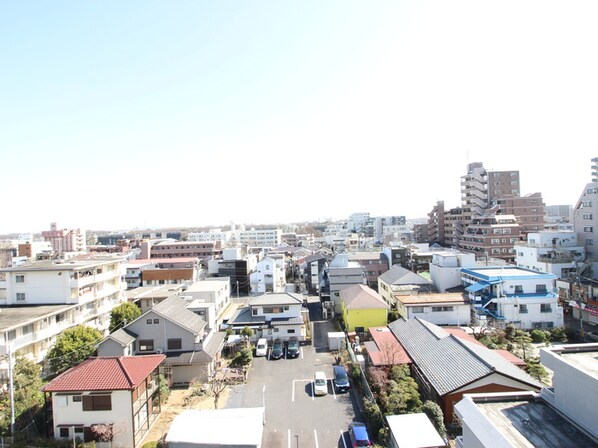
x: 398, y: 275
x: 175, y: 310
x: 277, y: 298
x: 362, y: 297
x: 106, y: 373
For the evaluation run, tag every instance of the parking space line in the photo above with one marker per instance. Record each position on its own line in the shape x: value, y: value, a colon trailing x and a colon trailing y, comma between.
x: 316, y: 437
x: 293, y: 391
x: 289, y: 438
x: 343, y: 438
x: 333, y: 391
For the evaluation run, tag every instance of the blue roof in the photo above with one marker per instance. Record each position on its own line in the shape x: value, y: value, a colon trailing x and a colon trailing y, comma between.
x: 477, y: 286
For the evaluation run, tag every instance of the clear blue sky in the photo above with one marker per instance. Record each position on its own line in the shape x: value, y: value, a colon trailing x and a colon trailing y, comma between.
x: 123, y: 114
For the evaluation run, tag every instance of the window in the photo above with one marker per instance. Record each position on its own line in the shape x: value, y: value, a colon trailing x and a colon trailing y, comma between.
x: 518, y: 289
x: 589, y: 242
x: 545, y: 308
x: 588, y: 229
x: 76, y: 398
x: 148, y: 321
x: 174, y: 344
x: 156, y: 321
x: 584, y: 216
x: 27, y: 329
x: 20, y: 296
x: 12, y: 334
x: 146, y: 345
x: 291, y: 330
x: 592, y: 190
x: 437, y: 309
x: 496, y: 251
x: 540, y: 289
x: 19, y: 278
x: 585, y: 204
x: 523, y: 309
x: 495, y: 241
x: 64, y: 432
x: 97, y: 402
x: 254, y: 311
x: 417, y: 309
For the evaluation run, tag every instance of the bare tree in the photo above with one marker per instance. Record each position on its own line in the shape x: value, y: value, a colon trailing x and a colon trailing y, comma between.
x: 220, y: 380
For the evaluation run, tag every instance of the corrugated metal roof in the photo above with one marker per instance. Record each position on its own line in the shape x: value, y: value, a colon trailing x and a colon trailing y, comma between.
x: 449, y: 362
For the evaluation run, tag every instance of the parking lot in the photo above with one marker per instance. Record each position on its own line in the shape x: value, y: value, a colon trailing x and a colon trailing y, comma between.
x: 295, y: 417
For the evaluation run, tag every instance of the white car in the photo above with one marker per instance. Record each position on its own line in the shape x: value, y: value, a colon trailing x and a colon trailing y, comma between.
x: 261, y: 348
x: 320, y: 383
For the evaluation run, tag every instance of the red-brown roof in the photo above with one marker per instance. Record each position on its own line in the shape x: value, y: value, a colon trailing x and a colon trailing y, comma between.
x: 390, y: 351
x: 462, y: 334
x: 106, y: 373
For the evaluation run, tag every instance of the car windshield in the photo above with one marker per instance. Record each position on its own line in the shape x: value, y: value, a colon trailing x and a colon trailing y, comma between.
x: 320, y: 382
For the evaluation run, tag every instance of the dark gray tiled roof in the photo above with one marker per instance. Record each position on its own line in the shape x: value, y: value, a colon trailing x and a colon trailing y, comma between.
x: 122, y: 336
x: 449, y: 362
x: 398, y: 275
x: 277, y: 298
x: 243, y: 317
x: 174, y: 309
x: 278, y: 321
x: 210, y: 350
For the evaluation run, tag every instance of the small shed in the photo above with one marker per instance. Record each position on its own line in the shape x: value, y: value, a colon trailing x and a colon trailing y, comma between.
x: 336, y: 340
x: 195, y: 428
x: 413, y: 431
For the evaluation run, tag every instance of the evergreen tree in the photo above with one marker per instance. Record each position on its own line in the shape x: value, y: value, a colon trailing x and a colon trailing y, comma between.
x: 73, y: 346
x: 123, y: 314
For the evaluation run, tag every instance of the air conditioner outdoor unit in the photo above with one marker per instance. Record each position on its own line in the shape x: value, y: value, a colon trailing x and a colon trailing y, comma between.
x: 159, y: 351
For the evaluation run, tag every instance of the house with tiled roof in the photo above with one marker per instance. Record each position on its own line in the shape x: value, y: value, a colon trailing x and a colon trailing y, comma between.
x: 270, y: 316
x: 383, y: 349
x: 192, y: 351
x: 362, y: 308
x: 401, y: 281
x: 446, y: 366
x: 117, y: 395
x: 447, y: 308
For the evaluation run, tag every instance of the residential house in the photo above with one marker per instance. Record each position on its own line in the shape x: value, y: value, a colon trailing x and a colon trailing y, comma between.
x: 120, y: 393
x: 312, y: 272
x: 552, y: 252
x: 273, y: 315
x: 269, y: 276
x: 374, y: 264
x: 446, y: 366
x: 445, y: 269
x: 383, y: 349
x: 172, y: 271
x: 399, y: 280
x: 512, y: 295
x: 362, y: 308
x: 559, y: 415
x: 395, y: 255
x: 449, y: 308
x: 212, y: 290
x: 192, y: 352
x: 45, y: 298
x: 339, y: 274
x: 146, y: 297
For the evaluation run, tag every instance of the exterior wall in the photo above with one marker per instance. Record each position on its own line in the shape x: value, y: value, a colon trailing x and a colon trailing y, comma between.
x: 365, y: 318
x: 120, y: 416
x: 492, y: 383
x: 501, y: 183
x: 575, y: 390
x: 342, y: 277
x: 204, y: 250
x: 284, y: 332
x: 160, y: 333
x: 528, y: 209
x: 585, y: 220
x: 110, y: 347
x: 186, y: 374
x: 460, y: 314
x: 260, y: 238
x: 292, y: 311
x: 445, y: 269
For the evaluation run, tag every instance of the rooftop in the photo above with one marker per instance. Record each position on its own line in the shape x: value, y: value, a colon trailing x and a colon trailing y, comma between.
x: 527, y: 420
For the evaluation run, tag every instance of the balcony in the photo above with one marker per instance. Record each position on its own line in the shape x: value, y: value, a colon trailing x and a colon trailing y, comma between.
x: 145, y: 396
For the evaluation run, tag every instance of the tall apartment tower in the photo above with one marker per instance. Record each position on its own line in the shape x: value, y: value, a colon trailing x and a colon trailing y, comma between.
x: 585, y: 216
x: 65, y: 240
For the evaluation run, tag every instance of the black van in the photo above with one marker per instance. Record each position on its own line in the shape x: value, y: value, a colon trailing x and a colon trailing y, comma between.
x: 341, y: 379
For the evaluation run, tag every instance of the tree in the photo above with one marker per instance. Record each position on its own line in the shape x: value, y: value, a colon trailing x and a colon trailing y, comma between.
x: 247, y: 334
x: 73, y: 346
x: 523, y: 341
x: 434, y: 413
x: 28, y: 398
x: 123, y: 314
x: 537, y: 370
x: 218, y: 384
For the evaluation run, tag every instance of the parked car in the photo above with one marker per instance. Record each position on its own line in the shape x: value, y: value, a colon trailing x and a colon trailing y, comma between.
x: 320, y: 383
x: 341, y: 379
x: 277, y: 349
x: 261, y: 348
x: 293, y: 347
x: 359, y: 435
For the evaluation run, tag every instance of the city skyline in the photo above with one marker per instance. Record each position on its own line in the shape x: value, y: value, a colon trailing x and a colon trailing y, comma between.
x: 148, y: 115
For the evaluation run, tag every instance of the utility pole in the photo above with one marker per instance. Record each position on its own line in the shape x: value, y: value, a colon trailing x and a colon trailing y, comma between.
x: 579, y: 300
x: 12, y: 392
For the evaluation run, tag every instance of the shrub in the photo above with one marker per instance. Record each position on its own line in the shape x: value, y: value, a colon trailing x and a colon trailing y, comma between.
x: 539, y: 336
x: 243, y: 357
x: 558, y: 334
x: 434, y: 413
